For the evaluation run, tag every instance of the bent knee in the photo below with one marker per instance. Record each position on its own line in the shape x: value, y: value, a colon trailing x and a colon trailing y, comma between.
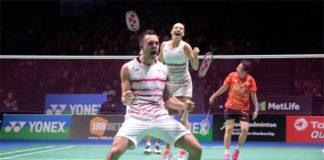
x: 197, y: 149
x: 116, y: 151
x: 245, y: 130
x: 229, y: 130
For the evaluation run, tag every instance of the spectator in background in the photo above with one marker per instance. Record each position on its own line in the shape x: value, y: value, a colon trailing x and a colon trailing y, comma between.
x: 109, y: 91
x: 2, y: 93
x: 2, y: 97
x: 116, y: 87
x: 10, y: 103
x: 109, y: 106
x: 316, y: 93
x: 70, y: 90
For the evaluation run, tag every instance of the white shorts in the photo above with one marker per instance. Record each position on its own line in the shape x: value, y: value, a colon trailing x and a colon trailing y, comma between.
x: 182, y: 89
x: 165, y: 128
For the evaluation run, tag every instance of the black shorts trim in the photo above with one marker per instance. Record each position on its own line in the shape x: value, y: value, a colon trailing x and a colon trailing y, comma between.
x: 240, y: 115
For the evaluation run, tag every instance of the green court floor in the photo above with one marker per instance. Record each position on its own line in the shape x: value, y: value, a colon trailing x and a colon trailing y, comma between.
x: 98, y: 152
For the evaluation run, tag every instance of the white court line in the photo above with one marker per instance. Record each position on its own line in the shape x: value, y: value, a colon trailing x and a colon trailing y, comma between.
x: 37, y: 152
x: 266, y: 149
x: 66, y: 159
x: 25, y: 150
x: 267, y: 56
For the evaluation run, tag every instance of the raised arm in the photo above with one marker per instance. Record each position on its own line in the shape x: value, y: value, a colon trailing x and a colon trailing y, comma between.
x: 161, y: 59
x: 192, y: 55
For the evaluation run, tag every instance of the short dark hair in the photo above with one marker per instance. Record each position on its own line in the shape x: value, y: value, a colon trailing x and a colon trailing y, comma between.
x: 247, y: 65
x: 146, y: 32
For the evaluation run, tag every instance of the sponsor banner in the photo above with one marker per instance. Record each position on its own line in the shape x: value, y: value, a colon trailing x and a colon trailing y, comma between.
x: 305, y: 129
x: 285, y: 104
x: 264, y: 128
x: 100, y: 127
x: 201, y: 127
x: 18, y: 126
x: 275, y: 105
x: 76, y: 104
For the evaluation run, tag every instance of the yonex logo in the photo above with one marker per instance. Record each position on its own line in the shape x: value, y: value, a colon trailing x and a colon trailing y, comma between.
x: 300, y: 124
x: 15, y: 126
x: 56, y: 109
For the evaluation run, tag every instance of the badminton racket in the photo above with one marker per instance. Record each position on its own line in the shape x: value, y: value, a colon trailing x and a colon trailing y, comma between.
x: 205, y: 64
x: 132, y: 21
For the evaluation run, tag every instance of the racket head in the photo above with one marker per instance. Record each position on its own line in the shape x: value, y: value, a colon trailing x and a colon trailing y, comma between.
x: 132, y: 21
x: 205, y: 126
x: 205, y: 64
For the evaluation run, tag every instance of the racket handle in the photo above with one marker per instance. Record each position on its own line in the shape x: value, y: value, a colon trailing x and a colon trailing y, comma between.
x: 184, y: 116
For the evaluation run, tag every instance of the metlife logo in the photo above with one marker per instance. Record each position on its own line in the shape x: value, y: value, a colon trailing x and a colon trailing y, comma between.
x: 262, y: 106
x: 285, y: 105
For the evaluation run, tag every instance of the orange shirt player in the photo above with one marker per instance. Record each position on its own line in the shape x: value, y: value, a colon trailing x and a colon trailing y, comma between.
x: 240, y: 85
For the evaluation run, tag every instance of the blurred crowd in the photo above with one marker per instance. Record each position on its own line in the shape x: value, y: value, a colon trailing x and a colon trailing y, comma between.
x: 235, y: 28
x: 42, y: 28
x: 28, y: 81
x: 307, y: 78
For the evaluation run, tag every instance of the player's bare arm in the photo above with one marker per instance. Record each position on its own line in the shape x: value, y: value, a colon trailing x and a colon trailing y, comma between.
x: 160, y: 57
x: 255, y: 103
x: 192, y: 55
x: 220, y: 91
x: 127, y: 94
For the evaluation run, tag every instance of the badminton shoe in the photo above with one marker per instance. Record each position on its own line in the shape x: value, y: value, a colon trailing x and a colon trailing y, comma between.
x: 157, y: 150
x: 226, y: 157
x: 148, y: 150
x: 167, y: 155
x: 235, y: 154
x: 183, y: 155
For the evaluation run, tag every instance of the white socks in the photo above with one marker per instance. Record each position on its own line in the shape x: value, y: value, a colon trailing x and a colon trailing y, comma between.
x: 227, y: 150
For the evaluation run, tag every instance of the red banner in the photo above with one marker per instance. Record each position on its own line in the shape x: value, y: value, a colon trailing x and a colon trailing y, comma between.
x: 305, y: 129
